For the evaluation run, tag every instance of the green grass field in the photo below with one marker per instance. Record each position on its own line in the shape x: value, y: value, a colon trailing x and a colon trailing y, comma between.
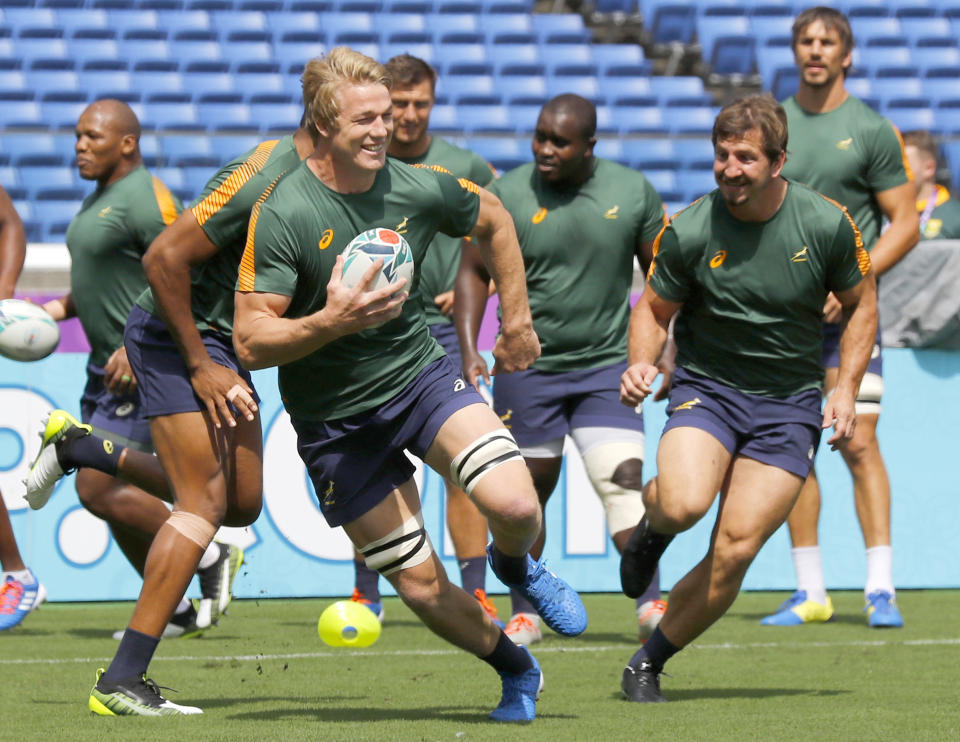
x: 264, y: 675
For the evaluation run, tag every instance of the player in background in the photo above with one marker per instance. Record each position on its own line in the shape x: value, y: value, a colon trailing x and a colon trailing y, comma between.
x: 843, y: 149
x: 106, y: 240
x: 202, y: 406
x: 388, y: 385
x: 939, y: 214
x: 580, y: 220
x: 20, y: 590
x: 751, y: 265
x: 414, y: 83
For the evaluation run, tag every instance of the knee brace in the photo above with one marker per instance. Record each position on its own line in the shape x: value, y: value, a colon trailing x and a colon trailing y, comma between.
x: 623, y: 506
x: 483, y: 455
x: 405, y: 546
x: 192, y: 527
x: 870, y: 394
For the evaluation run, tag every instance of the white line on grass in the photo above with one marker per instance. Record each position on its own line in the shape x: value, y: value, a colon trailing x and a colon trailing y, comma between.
x: 442, y: 652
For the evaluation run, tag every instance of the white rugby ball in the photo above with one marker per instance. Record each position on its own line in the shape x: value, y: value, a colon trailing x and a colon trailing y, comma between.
x: 27, y: 333
x: 380, y: 242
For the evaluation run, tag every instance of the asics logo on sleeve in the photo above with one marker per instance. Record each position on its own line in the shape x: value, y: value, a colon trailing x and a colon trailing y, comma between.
x: 539, y: 216
x: 325, y: 239
x: 717, y: 260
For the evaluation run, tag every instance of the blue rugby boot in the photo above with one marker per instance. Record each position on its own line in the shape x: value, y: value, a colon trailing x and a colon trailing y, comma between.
x: 882, y: 611
x: 520, y: 693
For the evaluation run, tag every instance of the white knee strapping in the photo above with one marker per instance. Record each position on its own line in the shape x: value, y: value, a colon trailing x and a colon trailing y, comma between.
x: 869, y: 395
x: 483, y: 455
x: 405, y: 546
x: 624, y: 507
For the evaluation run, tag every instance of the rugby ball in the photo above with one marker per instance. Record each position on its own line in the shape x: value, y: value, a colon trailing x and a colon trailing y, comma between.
x: 27, y: 333
x: 348, y: 624
x: 365, y: 248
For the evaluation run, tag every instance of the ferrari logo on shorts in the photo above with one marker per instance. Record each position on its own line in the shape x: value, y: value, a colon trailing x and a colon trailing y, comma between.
x: 800, y: 256
x: 402, y: 227
x: 687, y: 405
x: 717, y: 260
x: 539, y: 216
x: 328, y: 498
x: 844, y: 144
x: 612, y: 212
x: 325, y: 239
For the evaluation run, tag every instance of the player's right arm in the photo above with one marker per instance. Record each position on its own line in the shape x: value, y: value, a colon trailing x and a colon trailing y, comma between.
x: 263, y: 337
x: 471, y: 293
x: 13, y: 245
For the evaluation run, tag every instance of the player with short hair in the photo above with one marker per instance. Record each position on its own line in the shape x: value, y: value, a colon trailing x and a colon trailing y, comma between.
x: 581, y: 220
x: 751, y: 265
x: 118, y: 482
x: 20, y: 590
x: 939, y: 214
x: 387, y: 384
x: 843, y: 149
x: 414, y: 82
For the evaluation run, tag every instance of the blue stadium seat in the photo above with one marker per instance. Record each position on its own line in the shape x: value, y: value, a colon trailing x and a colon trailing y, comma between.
x: 764, y: 28
x: 205, y: 80
x: 661, y: 151
x: 444, y: 118
x: 524, y: 117
x: 20, y: 113
x: 171, y: 177
x: 563, y: 55
x: 860, y: 9
x: 447, y: 54
x: 942, y: 88
x: 101, y: 83
x: 285, y: 21
x: 24, y: 17
x: 674, y: 23
x: 709, y: 28
x: 226, y: 148
x: 44, y: 178
x: 282, y: 117
x: 613, y: 58
x: 867, y: 28
x: 610, y: 149
x: 733, y: 55
x: 253, y: 80
x: 926, y: 28
x: 683, y: 86
x: 772, y: 61
x: 138, y: 49
x: 163, y: 116
x: 30, y: 49
x: 665, y: 181
x: 627, y: 91
x: 152, y: 81
x: 696, y: 153
x: 13, y: 80
x: 530, y: 89
x: 124, y: 20
x: 247, y: 51
x: 227, y: 21
x: 908, y: 119
x: 297, y: 53
x: 947, y: 118
x: 898, y: 87
x: 460, y: 88
x: 636, y: 119
x: 71, y: 19
x: 401, y: 22
x: 511, y: 59
x: 44, y: 80
x: 861, y: 87
x: 176, y: 21
x: 586, y: 86
x: 195, y: 47
x: 485, y: 118
x: 93, y: 44
x: 447, y: 23
x: 334, y: 24
x: 695, y: 183
x: 493, y: 23
x: 458, y: 6
x: 177, y: 148
x: 226, y: 116
x: 499, y: 149
x: 927, y: 57
x: 689, y: 119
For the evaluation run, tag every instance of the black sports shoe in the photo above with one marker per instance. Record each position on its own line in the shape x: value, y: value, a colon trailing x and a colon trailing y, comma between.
x: 642, y: 684
x: 137, y: 696
x: 216, y: 585
x: 640, y: 557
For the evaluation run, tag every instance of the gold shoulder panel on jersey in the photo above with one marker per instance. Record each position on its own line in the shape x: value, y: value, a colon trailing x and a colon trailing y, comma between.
x: 234, y: 182
x: 435, y: 168
x: 165, y: 202
x: 248, y: 270
x: 469, y: 185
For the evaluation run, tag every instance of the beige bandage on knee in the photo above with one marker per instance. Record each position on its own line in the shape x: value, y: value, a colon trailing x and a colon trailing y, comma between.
x: 405, y: 546
x: 192, y: 527
x: 623, y: 507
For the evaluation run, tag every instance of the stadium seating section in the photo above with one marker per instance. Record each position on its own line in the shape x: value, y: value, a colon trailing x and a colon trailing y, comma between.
x: 209, y: 78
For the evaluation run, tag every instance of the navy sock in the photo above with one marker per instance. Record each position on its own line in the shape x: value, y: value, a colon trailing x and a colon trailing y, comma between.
x: 473, y: 573
x: 511, y: 570
x: 367, y: 581
x: 519, y: 604
x: 508, y: 657
x: 132, y: 657
x: 90, y: 451
x: 657, y: 650
x: 652, y: 592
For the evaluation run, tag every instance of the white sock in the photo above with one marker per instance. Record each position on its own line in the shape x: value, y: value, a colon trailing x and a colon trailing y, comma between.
x: 183, y: 606
x: 20, y: 575
x: 210, y: 556
x: 806, y: 563
x: 879, y: 570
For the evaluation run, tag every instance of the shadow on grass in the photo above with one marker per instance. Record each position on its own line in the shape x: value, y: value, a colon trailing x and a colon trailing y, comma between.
x: 365, y: 714
x: 703, y: 694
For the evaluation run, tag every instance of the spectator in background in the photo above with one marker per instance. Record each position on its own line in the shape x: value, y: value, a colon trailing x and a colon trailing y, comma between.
x: 20, y: 591
x: 939, y: 213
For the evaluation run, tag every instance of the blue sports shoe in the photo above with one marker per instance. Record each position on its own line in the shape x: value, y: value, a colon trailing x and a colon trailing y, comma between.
x: 798, y: 609
x: 882, y: 611
x: 18, y: 598
x: 556, y: 602
x: 520, y: 693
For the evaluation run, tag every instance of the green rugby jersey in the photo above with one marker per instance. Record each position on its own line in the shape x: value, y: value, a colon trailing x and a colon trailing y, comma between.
x: 296, y: 233
x: 943, y: 222
x: 438, y: 273
x: 578, y: 247
x: 753, y: 292
x: 847, y: 154
x: 106, y: 239
x: 223, y: 212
